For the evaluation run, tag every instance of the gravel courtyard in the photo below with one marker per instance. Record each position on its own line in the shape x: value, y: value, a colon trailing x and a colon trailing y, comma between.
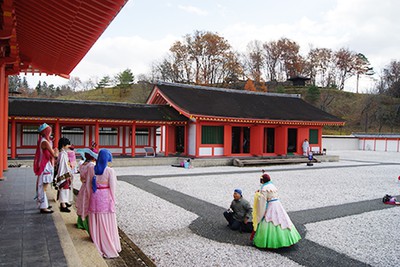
x: 175, y: 215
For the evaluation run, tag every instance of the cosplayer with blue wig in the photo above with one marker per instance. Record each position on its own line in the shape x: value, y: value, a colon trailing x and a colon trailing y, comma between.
x: 103, y: 222
x: 239, y: 215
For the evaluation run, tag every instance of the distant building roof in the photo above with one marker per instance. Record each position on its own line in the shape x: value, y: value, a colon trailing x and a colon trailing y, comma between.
x: 35, y: 107
x: 228, y: 103
x: 377, y: 135
x: 299, y: 80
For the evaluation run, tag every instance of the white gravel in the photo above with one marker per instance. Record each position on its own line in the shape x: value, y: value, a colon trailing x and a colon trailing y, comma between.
x: 161, y: 230
x: 298, y: 190
x: 371, y: 237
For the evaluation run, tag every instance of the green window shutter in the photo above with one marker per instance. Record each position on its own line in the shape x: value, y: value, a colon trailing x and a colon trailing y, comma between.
x: 313, y: 136
x: 212, y: 134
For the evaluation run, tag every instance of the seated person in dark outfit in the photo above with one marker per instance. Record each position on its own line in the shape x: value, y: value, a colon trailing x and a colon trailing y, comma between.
x: 239, y: 215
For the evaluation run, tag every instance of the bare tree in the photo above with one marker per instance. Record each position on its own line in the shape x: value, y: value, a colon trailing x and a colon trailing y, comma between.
x: 272, y: 57
x: 74, y: 83
x: 201, y: 58
x: 254, y: 60
x: 319, y: 66
x: 346, y: 64
x: 389, y: 82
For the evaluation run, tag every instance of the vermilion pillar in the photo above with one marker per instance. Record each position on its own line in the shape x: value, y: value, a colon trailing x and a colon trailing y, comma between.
x: 256, y: 140
x: 3, y: 120
x: 5, y: 125
x: 123, y: 140
x: 154, y: 130
x: 227, y: 140
x: 13, y: 139
x: 97, y: 135
x: 133, y: 140
x: 281, y: 141
x: 166, y: 139
x: 56, y: 133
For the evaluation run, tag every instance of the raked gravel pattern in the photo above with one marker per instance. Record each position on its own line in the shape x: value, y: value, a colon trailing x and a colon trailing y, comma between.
x: 161, y: 231
x: 160, y: 228
x: 372, y: 237
x: 298, y: 190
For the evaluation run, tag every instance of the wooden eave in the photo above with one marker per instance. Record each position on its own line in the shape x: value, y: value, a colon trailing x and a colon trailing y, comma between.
x: 52, y: 37
x: 93, y: 121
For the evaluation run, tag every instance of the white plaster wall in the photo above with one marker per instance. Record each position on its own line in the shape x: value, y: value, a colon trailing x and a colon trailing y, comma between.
x: 368, y: 145
x: 392, y: 145
x: 218, y: 151
x: 192, y: 139
x: 340, y: 143
x: 205, y: 151
x: 380, y: 145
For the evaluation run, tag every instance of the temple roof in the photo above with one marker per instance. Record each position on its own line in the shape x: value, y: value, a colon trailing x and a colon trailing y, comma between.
x: 35, y: 107
x: 228, y: 103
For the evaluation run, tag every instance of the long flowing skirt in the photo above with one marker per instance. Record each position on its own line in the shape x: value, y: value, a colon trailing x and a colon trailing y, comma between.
x: 104, y: 232
x: 269, y: 235
x: 275, y: 230
x: 82, y: 202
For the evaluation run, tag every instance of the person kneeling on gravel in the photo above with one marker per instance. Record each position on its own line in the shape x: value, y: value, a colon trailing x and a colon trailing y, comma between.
x: 239, y: 215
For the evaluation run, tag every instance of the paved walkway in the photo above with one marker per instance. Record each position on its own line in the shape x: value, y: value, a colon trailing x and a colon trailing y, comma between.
x: 29, y: 238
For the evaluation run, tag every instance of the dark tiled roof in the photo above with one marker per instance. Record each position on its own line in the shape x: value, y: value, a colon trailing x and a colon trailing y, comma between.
x: 207, y: 101
x: 34, y: 107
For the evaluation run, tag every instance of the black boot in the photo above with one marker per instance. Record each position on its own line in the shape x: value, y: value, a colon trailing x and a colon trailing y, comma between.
x: 64, y: 209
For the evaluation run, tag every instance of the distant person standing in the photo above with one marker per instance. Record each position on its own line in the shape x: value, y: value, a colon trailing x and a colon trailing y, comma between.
x: 306, y: 147
x: 43, y: 166
x: 102, y: 218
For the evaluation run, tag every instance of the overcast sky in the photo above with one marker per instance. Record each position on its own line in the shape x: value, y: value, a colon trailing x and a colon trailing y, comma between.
x: 145, y: 29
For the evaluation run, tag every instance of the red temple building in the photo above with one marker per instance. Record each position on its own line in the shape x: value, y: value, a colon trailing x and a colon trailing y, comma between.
x: 178, y: 119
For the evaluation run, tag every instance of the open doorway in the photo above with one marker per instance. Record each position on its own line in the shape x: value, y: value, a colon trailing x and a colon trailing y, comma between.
x: 240, y: 140
x: 180, y: 139
x: 292, y: 141
x: 269, y: 140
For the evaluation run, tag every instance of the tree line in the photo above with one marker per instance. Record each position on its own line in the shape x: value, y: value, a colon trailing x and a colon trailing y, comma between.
x: 208, y: 58
x: 19, y: 85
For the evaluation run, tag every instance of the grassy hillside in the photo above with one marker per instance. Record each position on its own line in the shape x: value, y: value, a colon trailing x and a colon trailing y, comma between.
x: 137, y: 93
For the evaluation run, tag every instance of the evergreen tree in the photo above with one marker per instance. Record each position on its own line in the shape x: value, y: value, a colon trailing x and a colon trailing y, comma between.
x: 39, y: 89
x: 124, y: 79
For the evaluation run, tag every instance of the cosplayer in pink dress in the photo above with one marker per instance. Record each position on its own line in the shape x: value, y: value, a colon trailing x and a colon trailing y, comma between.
x: 102, y: 218
x: 86, y: 171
